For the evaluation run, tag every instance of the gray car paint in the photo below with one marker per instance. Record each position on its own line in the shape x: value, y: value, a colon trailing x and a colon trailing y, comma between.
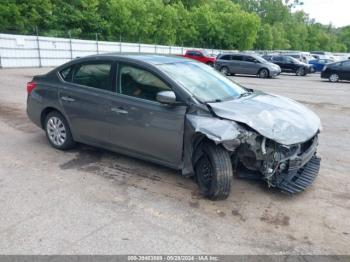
x: 278, y: 118
x: 245, y: 67
x: 150, y: 130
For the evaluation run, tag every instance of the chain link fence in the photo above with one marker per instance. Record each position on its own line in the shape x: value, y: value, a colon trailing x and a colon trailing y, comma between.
x: 42, y: 51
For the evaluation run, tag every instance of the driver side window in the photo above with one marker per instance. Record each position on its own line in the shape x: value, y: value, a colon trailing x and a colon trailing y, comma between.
x: 140, y: 83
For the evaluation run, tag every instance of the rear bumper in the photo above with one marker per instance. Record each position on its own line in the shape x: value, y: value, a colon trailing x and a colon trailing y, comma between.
x: 34, y: 109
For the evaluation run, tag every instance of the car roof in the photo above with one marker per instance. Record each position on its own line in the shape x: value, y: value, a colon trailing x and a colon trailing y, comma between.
x: 153, y: 59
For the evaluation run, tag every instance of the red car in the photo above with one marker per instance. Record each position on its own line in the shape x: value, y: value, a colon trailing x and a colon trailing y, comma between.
x: 200, y: 55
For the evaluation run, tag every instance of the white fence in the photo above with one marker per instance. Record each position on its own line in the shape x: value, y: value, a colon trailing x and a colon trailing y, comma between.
x: 39, y: 51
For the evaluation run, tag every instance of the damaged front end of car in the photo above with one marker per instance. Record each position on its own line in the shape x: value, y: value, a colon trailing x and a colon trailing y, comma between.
x: 291, y: 168
x: 268, y: 137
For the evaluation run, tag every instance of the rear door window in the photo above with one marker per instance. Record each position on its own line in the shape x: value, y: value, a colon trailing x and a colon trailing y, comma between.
x: 67, y: 73
x: 225, y: 57
x: 249, y: 59
x: 278, y: 58
x: 96, y: 75
x: 237, y: 57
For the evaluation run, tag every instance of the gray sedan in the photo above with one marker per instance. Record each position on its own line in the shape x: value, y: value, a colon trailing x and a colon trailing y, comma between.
x: 178, y: 113
x: 246, y: 64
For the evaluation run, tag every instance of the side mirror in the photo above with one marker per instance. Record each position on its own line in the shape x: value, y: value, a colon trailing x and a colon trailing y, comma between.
x: 166, y: 97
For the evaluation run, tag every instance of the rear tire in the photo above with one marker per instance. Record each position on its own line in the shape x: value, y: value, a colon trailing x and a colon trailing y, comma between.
x: 214, y: 172
x: 58, y: 132
x: 224, y: 70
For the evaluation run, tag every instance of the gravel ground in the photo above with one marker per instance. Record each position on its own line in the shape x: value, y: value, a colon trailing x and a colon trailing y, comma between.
x: 91, y: 201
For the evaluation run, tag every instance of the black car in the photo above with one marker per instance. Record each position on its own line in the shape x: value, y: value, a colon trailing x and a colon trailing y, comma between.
x: 337, y: 71
x: 289, y: 64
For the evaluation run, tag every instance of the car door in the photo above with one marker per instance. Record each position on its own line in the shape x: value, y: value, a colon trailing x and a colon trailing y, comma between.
x: 142, y: 126
x: 223, y: 60
x: 250, y: 65
x: 84, y: 95
x: 236, y: 66
x: 199, y: 56
x: 344, y: 71
x: 290, y: 64
x: 278, y: 60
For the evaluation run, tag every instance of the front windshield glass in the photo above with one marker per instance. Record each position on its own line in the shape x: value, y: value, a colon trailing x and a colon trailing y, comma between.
x: 261, y: 59
x: 202, y: 81
x: 295, y: 60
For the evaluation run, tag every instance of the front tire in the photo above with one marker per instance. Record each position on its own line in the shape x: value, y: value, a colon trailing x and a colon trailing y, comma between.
x: 334, y: 78
x: 214, y: 172
x: 301, y: 71
x: 263, y: 73
x: 58, y: 132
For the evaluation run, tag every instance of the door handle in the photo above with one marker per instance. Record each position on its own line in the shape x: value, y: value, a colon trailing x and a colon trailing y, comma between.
x: 67, y: 98
x: 119, y: 110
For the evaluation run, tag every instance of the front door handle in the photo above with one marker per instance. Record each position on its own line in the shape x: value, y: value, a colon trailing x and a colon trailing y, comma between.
x: 119, y: 110
x: 67, y: 98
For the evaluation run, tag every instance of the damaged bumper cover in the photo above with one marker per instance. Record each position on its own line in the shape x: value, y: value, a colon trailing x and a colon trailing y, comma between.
x: 300, y: 170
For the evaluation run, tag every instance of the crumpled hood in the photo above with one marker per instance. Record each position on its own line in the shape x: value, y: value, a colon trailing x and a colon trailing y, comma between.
x: 275, y: 117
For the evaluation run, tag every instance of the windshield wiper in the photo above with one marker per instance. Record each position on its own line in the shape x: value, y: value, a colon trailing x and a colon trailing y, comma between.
x: 244, y: 94
x: 214, y: 101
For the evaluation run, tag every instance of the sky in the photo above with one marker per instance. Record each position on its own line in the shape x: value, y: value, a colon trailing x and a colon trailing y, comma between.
x: 336, y: 12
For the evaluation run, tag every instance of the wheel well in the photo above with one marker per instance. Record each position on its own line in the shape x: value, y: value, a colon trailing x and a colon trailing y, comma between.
x: 198, y: 139
x: 44, y: 113
x: 226, y: 67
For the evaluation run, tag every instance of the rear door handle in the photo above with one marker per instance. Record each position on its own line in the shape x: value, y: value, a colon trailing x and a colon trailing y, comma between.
x: 119, y: 110
x: 67, y: 98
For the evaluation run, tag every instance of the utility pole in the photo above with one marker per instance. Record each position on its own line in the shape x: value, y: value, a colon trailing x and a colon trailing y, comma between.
x: 38, y: 45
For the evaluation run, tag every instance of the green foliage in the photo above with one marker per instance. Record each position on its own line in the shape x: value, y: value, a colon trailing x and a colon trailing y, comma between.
x: 222, y: 24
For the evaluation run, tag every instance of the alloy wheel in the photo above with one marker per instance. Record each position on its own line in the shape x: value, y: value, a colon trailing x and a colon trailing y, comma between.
x: 334, y: 78
x: 56, y: 131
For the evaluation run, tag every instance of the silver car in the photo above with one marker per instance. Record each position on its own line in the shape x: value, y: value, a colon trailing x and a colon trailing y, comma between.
x: 178, y: 113
x: 246, y: 64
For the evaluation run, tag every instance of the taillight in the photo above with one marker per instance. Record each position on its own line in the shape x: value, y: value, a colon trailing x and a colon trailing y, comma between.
x: 31, y: 86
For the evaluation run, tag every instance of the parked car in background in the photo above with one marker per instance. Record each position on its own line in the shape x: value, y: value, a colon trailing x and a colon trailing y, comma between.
x: 181, y: 114
x: 289, y: 64
x: 201, y: 56
x: 304, y: 57
x: 318, y: 64
x: 323, y: 55
x: 337, y: 71
x: 247, y: 64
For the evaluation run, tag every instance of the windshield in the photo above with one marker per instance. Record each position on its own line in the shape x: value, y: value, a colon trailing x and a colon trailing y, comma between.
x: 202, y: 81
x: 295, y: 60
x: 261, y: 59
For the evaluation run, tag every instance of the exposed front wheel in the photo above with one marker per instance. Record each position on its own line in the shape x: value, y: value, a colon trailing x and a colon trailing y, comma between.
x: 263, y: 73
x: 58, y: 132
x: 214, y: 172
x: 334, y: 78
x: 224, y: 70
